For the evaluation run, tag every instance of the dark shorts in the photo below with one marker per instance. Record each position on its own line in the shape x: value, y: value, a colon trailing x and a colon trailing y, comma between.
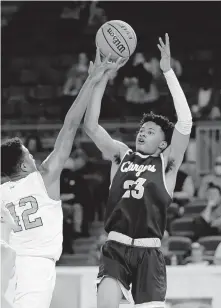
x: 142, y: 267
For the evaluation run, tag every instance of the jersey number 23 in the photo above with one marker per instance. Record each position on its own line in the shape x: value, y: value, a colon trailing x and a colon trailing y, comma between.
x: 134, y: 189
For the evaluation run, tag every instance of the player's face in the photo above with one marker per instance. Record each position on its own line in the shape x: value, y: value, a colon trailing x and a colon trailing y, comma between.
x: 28, y: 160
x: 149, y: 138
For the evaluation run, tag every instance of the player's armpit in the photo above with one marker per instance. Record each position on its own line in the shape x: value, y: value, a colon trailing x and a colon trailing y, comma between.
x: 107, y: 145
x: 54, y: 163
x: 175, y: 152
x: 170, y: 179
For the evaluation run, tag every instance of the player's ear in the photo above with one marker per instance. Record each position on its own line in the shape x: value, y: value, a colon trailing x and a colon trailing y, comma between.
x: 163, y: 145
x: 24, y: 167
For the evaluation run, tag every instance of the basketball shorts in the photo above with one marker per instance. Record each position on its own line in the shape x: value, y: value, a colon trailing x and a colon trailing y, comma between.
x: 141, y: 268
x: 35, y: 282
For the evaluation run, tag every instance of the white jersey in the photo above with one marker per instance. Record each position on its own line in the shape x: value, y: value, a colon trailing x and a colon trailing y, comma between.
x: 38, y: 218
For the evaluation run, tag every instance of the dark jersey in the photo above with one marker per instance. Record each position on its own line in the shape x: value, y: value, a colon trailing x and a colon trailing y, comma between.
x: 138, y: 198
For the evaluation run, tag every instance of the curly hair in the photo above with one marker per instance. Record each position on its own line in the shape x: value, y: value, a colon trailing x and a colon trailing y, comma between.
x: 166, y: 126
x: 11, y: 156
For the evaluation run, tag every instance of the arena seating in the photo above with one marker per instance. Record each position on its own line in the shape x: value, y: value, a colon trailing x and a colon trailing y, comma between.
x: 210, y: 243
x: 182, y: 227
x: 179, y: 245
x: 192, y: 210
x: 74, y: 260
x: 197, y: 201
x: 82, y: 247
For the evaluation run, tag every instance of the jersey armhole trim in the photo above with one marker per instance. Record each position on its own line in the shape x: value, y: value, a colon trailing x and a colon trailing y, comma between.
x: 141, y: 155
x: 126, y: 153
x: 164, y: 177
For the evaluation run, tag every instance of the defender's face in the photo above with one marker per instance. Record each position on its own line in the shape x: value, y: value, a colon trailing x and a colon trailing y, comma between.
x: 149, y: 138
x: 28, y: 160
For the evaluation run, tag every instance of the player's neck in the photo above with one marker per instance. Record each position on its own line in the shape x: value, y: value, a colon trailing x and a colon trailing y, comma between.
x: 19, y: 176
x: 146, y: 154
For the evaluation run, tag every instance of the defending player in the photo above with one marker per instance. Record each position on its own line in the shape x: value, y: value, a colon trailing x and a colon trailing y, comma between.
x: 141, y: 191
x: 33, y: 199
x: 7, y: 254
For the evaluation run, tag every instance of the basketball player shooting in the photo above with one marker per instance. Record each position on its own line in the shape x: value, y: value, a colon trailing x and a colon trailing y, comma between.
x: 141, y: 191
x: 33, y: 198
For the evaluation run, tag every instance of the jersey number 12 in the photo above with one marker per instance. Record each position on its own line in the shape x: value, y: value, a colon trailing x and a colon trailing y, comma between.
x: 138, y: 189
x: 37, y: 222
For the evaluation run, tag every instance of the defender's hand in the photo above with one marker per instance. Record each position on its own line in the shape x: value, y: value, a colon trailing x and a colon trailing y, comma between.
x: 165, y: 53
x: 115, y: 66
x: 106, y: 68
x: 98, y: 68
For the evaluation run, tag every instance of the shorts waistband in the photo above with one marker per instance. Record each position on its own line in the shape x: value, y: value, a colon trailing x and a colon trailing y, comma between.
x: 139, y: 242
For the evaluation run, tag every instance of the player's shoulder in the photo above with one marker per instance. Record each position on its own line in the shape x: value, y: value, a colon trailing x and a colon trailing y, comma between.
x: 4, y: 187
x: 123, y: 148
x: 126, y: 152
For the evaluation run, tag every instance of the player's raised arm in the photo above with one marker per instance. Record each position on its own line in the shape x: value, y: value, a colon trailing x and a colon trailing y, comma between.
x: 181, y: 134
x: 108, y: 146
x: 54, y: 163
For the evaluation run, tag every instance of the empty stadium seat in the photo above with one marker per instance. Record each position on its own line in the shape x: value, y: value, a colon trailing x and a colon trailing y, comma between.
x: 198, y: 201
x: 194, y: 210
x: 179, y: 244
x: 67, y: 60
x: 210, y: 243
x: 16, y: 91
x: 7, y: 111
x: 42, y: 92
x: 18, y: 63
x: 182, y: 227
x: 74, y: 260
x: 5, y: 92
x: 28, y: 77
x: 59, y: 91
x: 52, y: 111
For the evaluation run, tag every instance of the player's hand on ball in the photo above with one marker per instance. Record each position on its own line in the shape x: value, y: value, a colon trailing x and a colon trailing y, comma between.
x: 113, y: 67
x: 165, y: 53
x: 98, y: 68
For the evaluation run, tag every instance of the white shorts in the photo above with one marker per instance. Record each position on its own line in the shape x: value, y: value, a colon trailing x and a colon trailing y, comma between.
x: 35, y: 282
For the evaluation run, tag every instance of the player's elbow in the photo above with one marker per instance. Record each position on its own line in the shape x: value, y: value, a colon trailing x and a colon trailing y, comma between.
x: 90, y: 129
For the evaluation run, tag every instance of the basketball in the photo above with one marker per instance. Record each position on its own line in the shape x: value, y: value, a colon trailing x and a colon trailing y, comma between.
x: 116, y: 37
